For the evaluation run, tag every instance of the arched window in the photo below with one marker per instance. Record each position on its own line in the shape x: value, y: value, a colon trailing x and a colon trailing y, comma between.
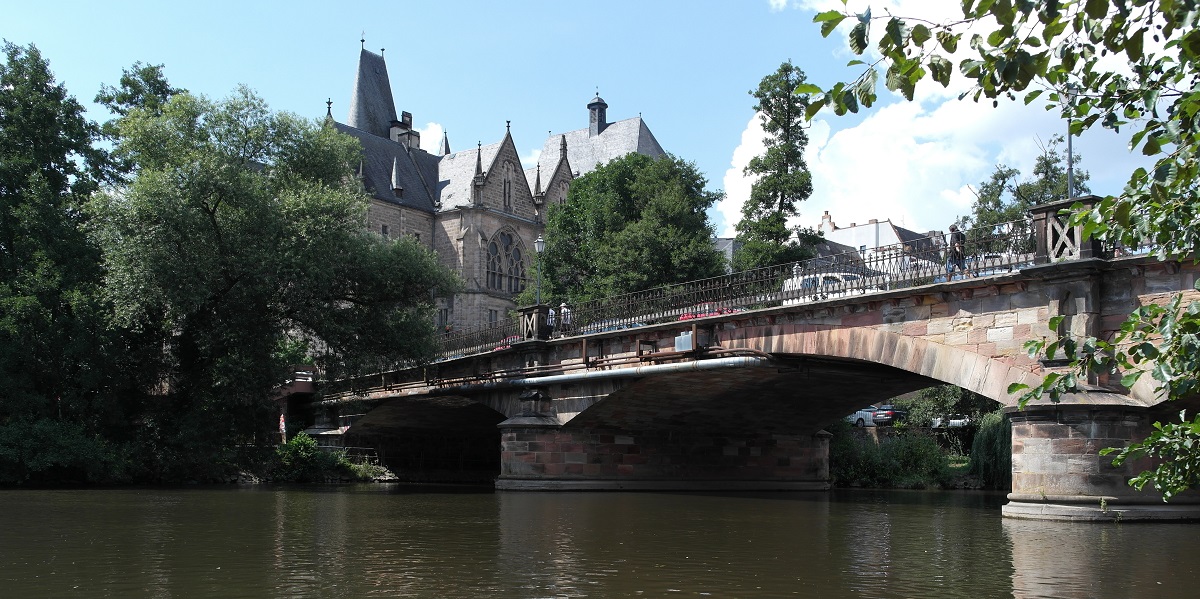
x: 505, y: 263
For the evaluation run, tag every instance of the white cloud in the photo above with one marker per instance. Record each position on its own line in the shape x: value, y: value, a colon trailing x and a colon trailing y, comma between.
x: 777, y: 5
x: 918, y: 162
x: 431, y: 136
x: 530, y: 159
x: 737, y: 184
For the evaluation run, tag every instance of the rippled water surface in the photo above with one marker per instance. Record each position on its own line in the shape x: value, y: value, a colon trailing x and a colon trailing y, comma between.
x: 380, y: 541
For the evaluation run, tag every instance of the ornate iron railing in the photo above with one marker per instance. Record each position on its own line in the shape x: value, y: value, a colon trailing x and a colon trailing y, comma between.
x: 988, y: 251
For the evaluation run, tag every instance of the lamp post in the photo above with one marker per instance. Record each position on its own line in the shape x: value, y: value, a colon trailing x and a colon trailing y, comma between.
x: 1072, y: 93
x: 539, y: 246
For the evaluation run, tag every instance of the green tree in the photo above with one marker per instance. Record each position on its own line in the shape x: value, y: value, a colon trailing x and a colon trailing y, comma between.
x: 782, y: 175
x: 57, y: 372
x: 635, y: 223
x: 943, y: 401
x: 240, y: 234
x: 142, y: 86
x: 1065, y: 51
x: 1005, y: 198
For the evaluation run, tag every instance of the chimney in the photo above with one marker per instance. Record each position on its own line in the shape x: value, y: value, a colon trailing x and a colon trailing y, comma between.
x: 827, y: 222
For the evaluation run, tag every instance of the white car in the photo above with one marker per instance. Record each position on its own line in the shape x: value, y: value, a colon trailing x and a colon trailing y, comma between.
x: 863, y: 417
x: 955, y: 421
x: 819, y: 286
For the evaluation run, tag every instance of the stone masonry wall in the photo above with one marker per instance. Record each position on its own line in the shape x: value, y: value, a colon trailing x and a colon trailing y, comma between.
x: 564, y: 454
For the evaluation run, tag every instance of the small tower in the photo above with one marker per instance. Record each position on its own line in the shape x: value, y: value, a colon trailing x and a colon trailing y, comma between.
x: 597, y: 115
x: 444, y: 149
x: 479, y: 178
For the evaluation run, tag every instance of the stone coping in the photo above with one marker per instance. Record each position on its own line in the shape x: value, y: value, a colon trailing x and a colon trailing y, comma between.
x: 513, y: 484
x: 1095, y: 512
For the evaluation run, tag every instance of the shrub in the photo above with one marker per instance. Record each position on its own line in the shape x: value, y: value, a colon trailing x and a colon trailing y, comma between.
x: 991, y: 453
x: 906, y: 460
x: 301, y: 460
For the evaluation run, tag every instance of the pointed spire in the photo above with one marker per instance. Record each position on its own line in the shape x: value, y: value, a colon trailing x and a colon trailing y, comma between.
x: 562, y: 148
x: 508, y: 127
x: 444, y: 148
x: 478, y: 159
x: 537, y: 181
x: 329, y: 108
x: 359, y: 173
x: 372, y: 108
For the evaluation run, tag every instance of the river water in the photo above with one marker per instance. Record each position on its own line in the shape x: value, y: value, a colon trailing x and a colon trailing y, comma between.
x: 396, y: 541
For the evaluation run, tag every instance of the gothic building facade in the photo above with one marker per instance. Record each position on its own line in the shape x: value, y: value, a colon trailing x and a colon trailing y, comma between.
x: 477, y: 209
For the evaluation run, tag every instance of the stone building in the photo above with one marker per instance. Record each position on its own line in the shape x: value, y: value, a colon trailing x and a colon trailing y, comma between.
x: 478, y: 209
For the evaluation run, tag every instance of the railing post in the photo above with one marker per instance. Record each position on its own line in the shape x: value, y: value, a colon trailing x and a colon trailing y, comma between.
x: 533, y: 325
x: 1056, y: 239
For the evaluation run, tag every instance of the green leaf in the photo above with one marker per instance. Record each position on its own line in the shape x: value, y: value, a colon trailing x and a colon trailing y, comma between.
x: 1096, y: 9
x: 1031, y: 96
x: 807, y: 88
x: 949, y: 41
x: 940, y: 69
x: 1014, y: 387
x: 1133, y: 45
x: 829, y: 21
x: 1152, y: 146
x: 920, y: 34
x: 1130, y: 379
x: 896, y: 32
x: 858, y: 38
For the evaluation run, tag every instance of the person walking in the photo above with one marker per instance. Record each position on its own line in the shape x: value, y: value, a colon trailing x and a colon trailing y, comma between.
x: 956, y: 256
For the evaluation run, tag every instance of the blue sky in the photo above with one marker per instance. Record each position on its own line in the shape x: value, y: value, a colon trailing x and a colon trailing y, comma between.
x: 467, y: 66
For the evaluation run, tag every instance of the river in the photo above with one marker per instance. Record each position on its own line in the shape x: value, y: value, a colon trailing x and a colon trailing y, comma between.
x: 400, y: 541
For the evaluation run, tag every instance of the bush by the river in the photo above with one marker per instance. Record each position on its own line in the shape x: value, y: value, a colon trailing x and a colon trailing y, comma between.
x: 991, y: 453
x: 302, y: 460
x: 907, y: 460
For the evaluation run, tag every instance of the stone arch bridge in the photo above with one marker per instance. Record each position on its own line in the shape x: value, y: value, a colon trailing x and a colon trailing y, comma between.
x: 733, y: 391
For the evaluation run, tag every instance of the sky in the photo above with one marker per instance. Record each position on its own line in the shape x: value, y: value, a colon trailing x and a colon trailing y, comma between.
x: 685, y: 66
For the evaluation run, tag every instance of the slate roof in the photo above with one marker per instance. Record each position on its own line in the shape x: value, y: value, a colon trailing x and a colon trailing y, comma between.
x: 456, y: 174
x: 586, y: 152
x: 919, y: 242
x: 371, y: 106
x: 413, y: 168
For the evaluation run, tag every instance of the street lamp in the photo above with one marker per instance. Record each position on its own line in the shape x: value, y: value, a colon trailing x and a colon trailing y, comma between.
x: 1072, y: 94
x: 539, y: 246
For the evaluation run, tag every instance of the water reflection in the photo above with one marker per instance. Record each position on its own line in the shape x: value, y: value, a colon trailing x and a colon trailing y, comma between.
x: 1081, y: 560
x: 374, y: 541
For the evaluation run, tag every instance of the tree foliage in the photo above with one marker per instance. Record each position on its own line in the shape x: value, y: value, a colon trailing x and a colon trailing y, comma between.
x: 1005, y: 197
x: 782, y: 175
x: 141, y: 86
x: 59, y: 369
x: 241, y: 232
x: 632, y: 224
x: 1112, y: 63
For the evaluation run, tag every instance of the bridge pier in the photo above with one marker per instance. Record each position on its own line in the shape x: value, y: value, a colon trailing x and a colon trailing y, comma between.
x: 1058, y: 473
x: 538, y: 454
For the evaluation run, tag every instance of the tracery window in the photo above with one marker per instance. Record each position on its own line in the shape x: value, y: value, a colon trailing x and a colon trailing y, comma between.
x: 505, y: 263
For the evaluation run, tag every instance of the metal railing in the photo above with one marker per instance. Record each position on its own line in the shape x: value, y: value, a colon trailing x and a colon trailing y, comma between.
x: 988, y: 251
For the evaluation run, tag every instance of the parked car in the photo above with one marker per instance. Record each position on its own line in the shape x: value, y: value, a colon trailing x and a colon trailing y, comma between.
x: 887, y: 415
x: 820, y: 286
x: 863, y: 417
x: 954, y: 421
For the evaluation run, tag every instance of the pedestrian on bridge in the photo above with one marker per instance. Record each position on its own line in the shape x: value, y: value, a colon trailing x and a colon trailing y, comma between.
x: 956, y: 256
